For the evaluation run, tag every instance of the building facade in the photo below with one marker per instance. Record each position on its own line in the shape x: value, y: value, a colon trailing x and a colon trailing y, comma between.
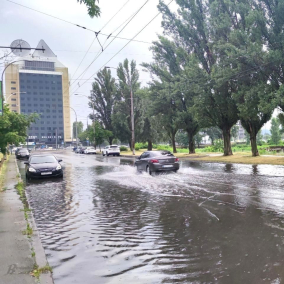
x: 39, y: 83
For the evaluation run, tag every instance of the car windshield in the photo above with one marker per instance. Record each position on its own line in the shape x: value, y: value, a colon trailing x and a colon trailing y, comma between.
x: 42, y: 159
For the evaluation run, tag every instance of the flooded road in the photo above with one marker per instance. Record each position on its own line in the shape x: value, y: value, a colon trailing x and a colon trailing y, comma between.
x: 208, y: 223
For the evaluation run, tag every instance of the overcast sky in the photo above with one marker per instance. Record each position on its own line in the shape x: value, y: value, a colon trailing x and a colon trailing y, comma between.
x: 70, y: 43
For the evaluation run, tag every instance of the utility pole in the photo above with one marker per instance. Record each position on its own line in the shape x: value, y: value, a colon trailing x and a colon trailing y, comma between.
x: 132, y: 119
x: 56, y: 138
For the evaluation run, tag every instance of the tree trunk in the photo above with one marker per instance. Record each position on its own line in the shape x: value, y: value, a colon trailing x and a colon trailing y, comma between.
x: 110, y: 140
x: 191, y: 144
x: 253, y: 144
x: 174, y: 144
x: 227, y: 141
x: 150, y: 145
x: 130, y: 145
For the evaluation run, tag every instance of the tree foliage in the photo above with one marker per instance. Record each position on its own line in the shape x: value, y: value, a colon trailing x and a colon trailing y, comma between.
x: 14, y: 127
x: 80, y: 128
x: 102, y: 99
x: 93, y: 9
x: 275, y: 131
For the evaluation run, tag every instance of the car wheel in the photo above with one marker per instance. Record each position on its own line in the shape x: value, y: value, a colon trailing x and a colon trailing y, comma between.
x: 118, y: 155
x: 148, y: 170
x: 61, y: 176
x: 107, y: 154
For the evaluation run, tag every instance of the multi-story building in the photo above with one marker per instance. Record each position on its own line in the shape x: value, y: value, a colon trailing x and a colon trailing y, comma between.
x: 241, y: 132
x: 39, y: 83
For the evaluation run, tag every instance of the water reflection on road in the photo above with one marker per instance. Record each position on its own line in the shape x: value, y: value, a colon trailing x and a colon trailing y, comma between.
x: 209, y: 223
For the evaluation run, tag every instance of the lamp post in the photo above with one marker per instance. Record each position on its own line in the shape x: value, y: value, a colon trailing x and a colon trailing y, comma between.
x: 13, y: 94
x: 131, y: 110
x: 76, y: 128
x: 92, y: 104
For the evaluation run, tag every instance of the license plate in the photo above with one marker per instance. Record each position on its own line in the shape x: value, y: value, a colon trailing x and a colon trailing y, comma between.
x: 46, y: 173
x: 167, y: 166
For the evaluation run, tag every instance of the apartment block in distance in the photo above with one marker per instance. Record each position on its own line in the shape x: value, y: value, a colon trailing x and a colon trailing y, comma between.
x: 39, y: 83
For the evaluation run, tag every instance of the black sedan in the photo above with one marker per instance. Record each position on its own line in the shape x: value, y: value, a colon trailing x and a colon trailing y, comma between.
x: 23, y: 154
x: 157, y: 161
x: 40, y: 166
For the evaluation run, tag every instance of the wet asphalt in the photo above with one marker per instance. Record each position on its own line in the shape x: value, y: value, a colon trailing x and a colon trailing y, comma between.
x: 208, y: 223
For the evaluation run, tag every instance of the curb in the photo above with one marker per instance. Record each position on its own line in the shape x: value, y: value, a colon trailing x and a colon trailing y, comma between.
x: 40, y: 257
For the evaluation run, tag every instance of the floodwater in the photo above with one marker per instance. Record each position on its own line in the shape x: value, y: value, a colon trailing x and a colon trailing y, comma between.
x: 208, y: 223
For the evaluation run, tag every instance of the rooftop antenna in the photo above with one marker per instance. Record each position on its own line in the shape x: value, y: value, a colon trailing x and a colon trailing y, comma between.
x: 20, y: 48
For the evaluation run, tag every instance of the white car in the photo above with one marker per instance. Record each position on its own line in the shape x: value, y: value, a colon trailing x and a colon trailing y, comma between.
x: 111, y: 150
x: 90, y: 150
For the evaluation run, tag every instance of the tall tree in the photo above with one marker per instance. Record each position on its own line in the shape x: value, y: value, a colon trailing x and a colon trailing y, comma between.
x: 199, y: 26
x: 128, y: 82
x: 102, y: 99
x: 80, y: 128
x: 275, y: 131
x: 168, y: 66
x: 13, y: 128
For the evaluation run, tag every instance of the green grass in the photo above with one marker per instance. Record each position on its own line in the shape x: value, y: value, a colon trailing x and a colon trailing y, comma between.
x: 3, y: 171
x: 28, y: 231
x: 37, y: 271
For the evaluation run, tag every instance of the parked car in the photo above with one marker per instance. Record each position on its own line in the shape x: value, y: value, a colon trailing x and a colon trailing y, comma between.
x: 90, y: 150
x: 78, y: 149
x: 23, y: 154
x: 81, y: 151
x: 111, y: 150
x: 40, y: 166
x: 156, y: 161
x: 17, y: 150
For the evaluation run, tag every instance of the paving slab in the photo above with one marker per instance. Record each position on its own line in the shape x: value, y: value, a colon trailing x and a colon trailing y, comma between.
x: 16, y: 261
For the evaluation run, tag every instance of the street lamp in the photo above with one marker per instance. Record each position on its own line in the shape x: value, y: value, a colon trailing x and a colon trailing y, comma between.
x: 76, y: 127
x: 131, y: 110
x: 93, y: 116
x: 14, y: 94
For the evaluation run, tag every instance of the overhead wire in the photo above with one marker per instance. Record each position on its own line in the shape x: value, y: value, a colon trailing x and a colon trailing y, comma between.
x: 125, y: 45
x: 112, y: 40
x: 71, y: 23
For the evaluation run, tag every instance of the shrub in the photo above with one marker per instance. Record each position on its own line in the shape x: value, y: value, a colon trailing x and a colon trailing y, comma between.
x: 164, y: 147
x: 123, y: 148
x: 139, y: 146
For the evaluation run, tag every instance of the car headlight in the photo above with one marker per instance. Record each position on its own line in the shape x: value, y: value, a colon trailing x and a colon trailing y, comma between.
x: 32, y: 170
x: 58, y: 167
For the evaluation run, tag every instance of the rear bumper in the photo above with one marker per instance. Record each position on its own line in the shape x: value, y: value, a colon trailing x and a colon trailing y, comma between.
x: 22, y: 157
x: 161, y: 168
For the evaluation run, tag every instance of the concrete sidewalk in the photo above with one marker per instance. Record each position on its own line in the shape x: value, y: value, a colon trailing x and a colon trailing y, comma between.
x: 16, y: 261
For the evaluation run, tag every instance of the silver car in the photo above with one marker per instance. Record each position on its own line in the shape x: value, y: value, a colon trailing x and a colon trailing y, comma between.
x: 157, y: 161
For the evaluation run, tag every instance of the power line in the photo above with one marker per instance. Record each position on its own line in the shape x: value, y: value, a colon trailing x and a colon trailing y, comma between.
x: 97, y: 37
x: 125, y: 44
x: 112, y: 40
x: 68, y: 22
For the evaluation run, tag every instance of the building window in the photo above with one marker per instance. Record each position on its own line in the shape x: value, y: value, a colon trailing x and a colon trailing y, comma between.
x: 13, y: 105
x: 13, y: 88
x: 13, y: 82
x: 13, y: 99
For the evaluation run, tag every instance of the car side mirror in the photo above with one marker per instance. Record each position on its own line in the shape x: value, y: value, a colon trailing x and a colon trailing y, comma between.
x: 26, y: 163
x: 59, y: 160
x: 139, y: 158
